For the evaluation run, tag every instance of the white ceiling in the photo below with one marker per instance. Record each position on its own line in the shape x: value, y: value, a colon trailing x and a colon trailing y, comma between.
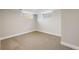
x: 36, y: 11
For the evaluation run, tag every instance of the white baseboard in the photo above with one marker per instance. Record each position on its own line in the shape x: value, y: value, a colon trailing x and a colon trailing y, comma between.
x: 50, y: 33
x: 25, y: 33
x: 70, y: 45
x: 15, y: 35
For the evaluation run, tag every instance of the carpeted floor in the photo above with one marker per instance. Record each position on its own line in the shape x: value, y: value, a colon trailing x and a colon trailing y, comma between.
x: 33, y: 41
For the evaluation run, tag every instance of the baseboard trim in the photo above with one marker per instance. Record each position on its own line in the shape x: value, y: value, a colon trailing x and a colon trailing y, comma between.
x: 15, y: 35
x: 25, y: 33
x: 70, y: 45
x: 50, y: 33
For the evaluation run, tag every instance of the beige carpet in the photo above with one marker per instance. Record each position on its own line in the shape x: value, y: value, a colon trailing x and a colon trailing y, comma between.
x: 33, y: 41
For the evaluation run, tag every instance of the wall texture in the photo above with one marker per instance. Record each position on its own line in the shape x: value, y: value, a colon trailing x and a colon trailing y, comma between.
x: 50, y: 23
x: 70, y: 27
x: 15, y: 22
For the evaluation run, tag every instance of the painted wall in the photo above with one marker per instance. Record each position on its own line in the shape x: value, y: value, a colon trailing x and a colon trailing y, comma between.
x: 70, y: 27
x: 35, y: 22
x: 1, y: 21
x: 0, y: 45
x: 15, y: 22
x: 50, y: 23
x: 0, y: 28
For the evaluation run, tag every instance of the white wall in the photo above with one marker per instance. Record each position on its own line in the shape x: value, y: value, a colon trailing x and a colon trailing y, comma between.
x: 35, y: 22
x: 50, y: 24
x: 1, y: 21
x: 14, y: 22
x: 0, y: 28
x: 70, y: 27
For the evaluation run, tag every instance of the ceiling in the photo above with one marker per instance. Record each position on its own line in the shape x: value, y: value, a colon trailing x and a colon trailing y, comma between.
x: 36, y: 11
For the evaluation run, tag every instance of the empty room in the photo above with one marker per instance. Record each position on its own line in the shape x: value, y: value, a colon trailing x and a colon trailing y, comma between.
x: 39, y: 29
